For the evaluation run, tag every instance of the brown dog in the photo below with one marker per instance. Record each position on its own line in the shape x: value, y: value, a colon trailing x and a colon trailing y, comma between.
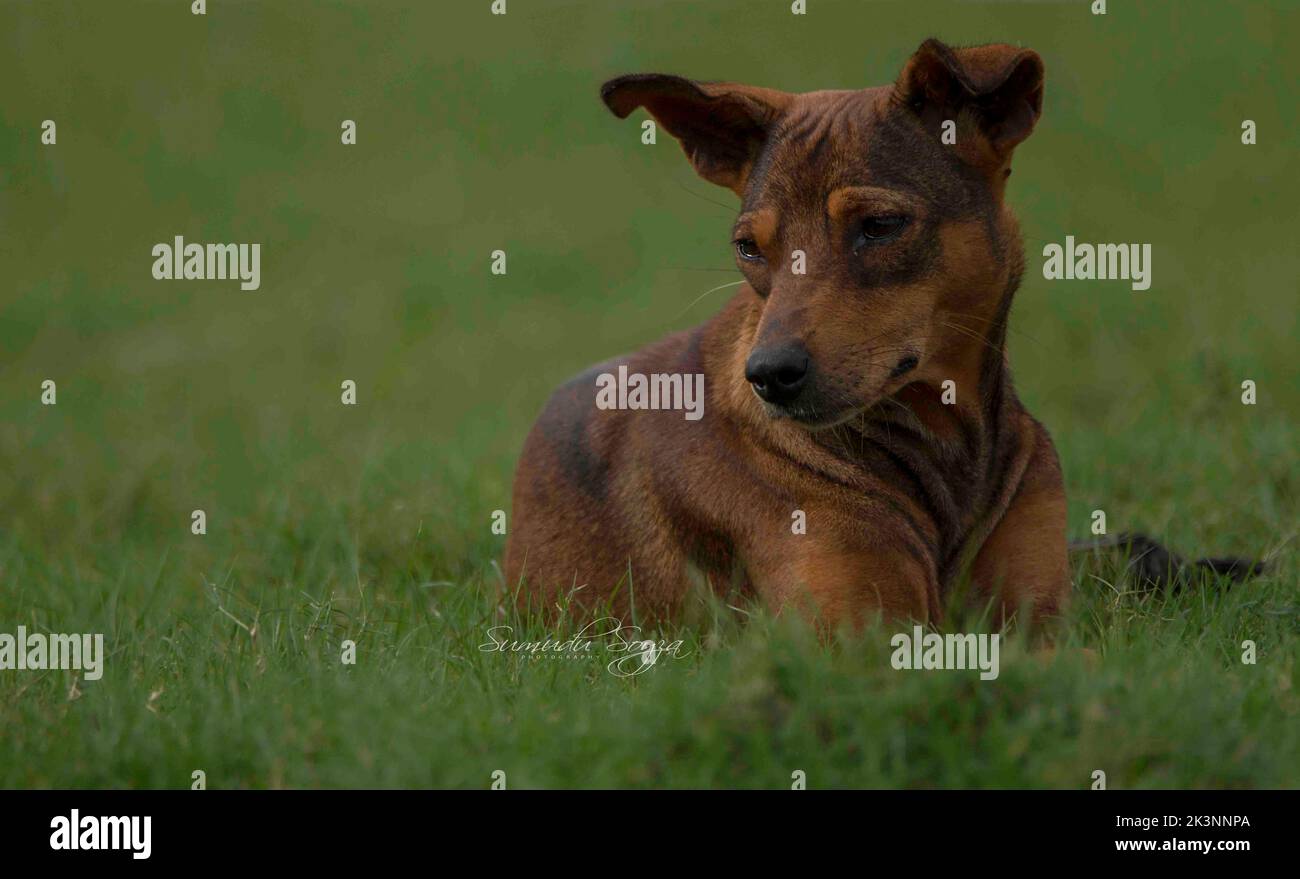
x: 861, y: 443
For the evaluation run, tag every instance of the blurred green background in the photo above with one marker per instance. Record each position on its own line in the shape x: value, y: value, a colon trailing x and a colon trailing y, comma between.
x: 479, y: 132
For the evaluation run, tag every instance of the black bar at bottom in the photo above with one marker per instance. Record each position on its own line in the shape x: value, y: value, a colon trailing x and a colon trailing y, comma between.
x: 334, y: 829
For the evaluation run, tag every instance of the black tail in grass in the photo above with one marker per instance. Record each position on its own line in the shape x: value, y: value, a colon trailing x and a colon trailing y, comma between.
x: 1154, y: 566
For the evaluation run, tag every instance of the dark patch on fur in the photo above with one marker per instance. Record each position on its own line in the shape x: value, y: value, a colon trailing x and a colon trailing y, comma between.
x: 901, y: 155
x: 903, y: 367
x: 565, y: 424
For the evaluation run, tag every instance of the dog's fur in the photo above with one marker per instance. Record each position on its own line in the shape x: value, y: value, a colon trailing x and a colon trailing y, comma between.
x: 912, y: 260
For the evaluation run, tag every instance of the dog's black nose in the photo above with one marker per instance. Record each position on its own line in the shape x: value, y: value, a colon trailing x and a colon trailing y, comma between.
x: 777, y: 372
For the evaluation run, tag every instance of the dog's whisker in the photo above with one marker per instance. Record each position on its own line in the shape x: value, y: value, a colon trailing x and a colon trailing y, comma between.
x: 1005, y: 324
x: 706, y: 293
x: 971, y: 334
x: 731, y: 210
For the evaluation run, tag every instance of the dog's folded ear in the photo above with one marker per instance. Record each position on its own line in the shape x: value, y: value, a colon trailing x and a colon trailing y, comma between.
x: 720, y: 125
x: 996, y: 88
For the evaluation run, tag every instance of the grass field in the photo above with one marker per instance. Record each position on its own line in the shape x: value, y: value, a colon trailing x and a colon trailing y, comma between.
x: 371, y: 522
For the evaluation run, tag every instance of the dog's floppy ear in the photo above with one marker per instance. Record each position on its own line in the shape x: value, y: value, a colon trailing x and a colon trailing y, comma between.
x: 721, y: 125
x: 1000, y: 87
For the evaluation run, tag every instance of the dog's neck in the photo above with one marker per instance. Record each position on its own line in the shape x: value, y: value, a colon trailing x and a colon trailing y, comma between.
x: 948, y: 446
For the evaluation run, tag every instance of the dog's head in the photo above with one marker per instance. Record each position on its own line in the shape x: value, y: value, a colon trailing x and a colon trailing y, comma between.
x: 872, y: 229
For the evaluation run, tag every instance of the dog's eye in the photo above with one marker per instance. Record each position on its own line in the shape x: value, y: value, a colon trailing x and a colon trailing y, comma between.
x: 748, y: 249
x: 876, y: 229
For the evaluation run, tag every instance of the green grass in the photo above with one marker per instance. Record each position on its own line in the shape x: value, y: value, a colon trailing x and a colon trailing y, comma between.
x: 372, y: 523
